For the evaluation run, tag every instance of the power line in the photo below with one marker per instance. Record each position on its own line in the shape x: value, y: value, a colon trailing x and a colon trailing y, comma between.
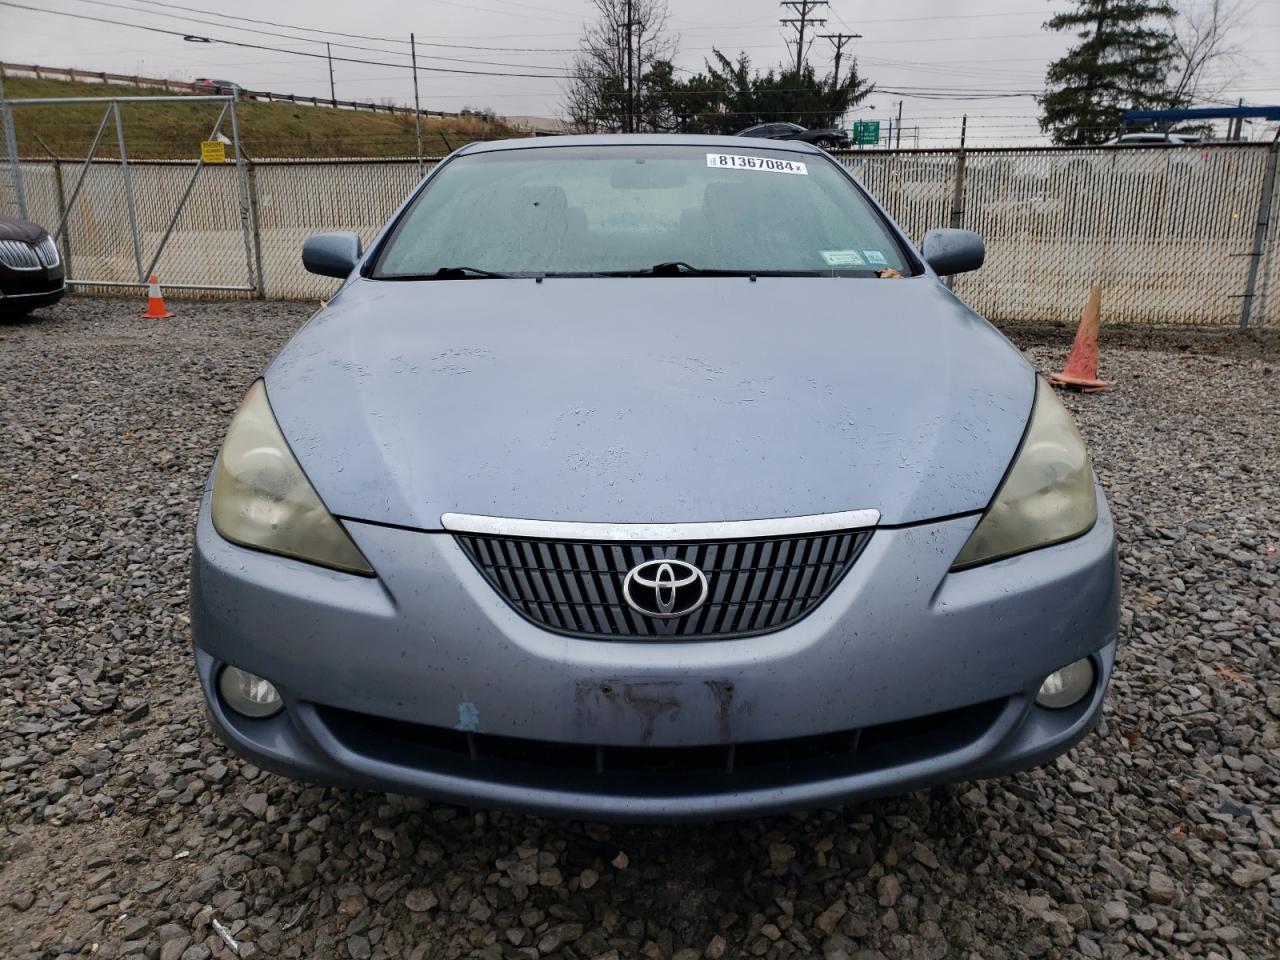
x: 268, y: 23
x: 288, y: 36
x: 296, y: 53
x: 948, y: 95
x: 268, y: 33
x: 352, y: 36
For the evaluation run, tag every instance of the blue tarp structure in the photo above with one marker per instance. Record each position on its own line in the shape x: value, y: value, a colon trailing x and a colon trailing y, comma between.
x: 1201, y: 113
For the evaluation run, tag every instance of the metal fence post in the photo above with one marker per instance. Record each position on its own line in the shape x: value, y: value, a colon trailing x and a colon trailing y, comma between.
x: 1260, y: 233
x: 128, y: 189
x: 62, y: 214
x: 61, y: 194
x: 11, y: 150
x: 254, y: 281
x: 254, y: 214
x: 957, y: 195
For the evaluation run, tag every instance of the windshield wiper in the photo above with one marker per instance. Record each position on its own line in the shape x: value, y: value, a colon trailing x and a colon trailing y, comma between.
x: 452, y: 273
x: 678, y: 268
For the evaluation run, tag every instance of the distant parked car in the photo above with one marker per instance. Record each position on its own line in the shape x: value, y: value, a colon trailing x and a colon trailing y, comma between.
x: 219, y: 88
x: 31, y: 272
x: 1150, y: 137
x: 825, y: 137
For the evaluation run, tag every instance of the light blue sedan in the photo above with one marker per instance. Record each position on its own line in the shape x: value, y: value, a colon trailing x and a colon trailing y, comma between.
x: 650, y: 477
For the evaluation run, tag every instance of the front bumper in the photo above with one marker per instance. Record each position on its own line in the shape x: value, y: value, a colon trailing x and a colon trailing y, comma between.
x: 30, y: 295
x: 23, y: 290
x: 424, y: 680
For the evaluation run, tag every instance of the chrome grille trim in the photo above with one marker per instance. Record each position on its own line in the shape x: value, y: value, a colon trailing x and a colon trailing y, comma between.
x: 47, y: 251
x: 19, y: 255
x: 659, y: 532
x: 756, y: 585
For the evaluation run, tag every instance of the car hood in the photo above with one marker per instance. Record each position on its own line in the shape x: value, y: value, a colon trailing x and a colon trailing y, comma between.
x: 650, y: 400
x: 13, y: 228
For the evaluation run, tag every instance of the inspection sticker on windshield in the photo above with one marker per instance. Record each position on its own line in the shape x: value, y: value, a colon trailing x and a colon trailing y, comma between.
x: 875, y: 257
x: 842, y: 258
x: 738, y: 161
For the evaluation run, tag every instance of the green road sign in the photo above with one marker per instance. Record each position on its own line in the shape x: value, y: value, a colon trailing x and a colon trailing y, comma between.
x: 866, y: 132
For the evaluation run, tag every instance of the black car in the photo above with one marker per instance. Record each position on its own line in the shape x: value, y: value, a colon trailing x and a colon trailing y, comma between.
x: 828, y: 138
x: 31, y: 272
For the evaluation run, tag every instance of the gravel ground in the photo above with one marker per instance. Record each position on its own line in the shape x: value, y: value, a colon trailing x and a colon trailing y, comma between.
x: 128, y: 831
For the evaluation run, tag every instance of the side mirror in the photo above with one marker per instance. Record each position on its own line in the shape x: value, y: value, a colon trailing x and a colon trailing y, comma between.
x: 953, y: 251
x: 331, y: 254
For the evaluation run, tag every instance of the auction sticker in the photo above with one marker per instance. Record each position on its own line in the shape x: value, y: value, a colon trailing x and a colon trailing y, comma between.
x: 738, y: 161
x: 842, y: 258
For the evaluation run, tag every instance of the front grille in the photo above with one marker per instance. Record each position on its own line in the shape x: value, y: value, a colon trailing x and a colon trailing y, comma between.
x: 47, y: 251
x: 716, y: 768
x: 18, y: 255
x: 754, y: 586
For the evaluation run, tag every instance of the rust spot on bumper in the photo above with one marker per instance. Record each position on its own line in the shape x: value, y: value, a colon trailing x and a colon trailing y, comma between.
x: 641, y: 706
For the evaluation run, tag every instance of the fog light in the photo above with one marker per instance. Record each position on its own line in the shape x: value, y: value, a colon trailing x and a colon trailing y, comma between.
x: 248, y: 694
x: 1067, y: 686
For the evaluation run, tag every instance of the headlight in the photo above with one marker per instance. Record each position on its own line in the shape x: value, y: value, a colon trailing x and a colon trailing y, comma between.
x: 262, y: 499
x: 1048, y: 494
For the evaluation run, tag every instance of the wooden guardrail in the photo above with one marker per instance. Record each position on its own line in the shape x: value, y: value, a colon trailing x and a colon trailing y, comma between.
x: 183, y: 86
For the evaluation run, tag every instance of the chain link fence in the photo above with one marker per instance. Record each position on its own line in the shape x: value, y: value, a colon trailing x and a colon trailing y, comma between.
x: 205, y: 248
x: 84, y: 203
x: 1169, y: 232
x: 354, y: 195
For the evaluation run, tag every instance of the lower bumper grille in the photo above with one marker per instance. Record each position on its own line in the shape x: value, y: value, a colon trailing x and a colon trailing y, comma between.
x: 688, y: 770
x: 753, y: 586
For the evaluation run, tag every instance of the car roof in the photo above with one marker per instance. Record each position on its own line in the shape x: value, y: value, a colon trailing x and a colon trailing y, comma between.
x: 630, y: 140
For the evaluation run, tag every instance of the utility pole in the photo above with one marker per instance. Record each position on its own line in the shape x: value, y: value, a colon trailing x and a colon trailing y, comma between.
x: 417, y: 110
x: 804, y: 10
x: 897, y: 127
x: 333, y: 97
x: 631, y: 92
x: 838, y: 40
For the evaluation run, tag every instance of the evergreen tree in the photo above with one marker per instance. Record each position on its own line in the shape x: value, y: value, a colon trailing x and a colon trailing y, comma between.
x: 730, y: 96
x: 1122, y: 62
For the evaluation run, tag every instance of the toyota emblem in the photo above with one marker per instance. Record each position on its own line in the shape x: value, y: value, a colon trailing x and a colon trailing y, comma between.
x: 664, y: 588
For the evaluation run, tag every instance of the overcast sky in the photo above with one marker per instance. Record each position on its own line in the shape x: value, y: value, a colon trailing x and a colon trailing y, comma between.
x: 929, y: 47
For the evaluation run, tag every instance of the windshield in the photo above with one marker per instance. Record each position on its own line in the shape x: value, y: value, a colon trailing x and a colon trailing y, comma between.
x: 628, y: 209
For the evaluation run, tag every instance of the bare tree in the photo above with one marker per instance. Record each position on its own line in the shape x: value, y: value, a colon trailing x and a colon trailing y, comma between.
x: 1208, y: 57
x: 598, y: 97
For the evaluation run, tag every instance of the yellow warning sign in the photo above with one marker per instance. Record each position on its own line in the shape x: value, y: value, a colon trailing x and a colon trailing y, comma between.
x: 213, y: 151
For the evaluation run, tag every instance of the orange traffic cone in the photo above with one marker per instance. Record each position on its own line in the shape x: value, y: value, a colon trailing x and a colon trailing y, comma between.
x: 156, y: 310
x: 1081, y: 370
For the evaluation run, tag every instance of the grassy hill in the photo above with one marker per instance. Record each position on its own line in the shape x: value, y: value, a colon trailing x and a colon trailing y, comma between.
x: 174, y: 130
